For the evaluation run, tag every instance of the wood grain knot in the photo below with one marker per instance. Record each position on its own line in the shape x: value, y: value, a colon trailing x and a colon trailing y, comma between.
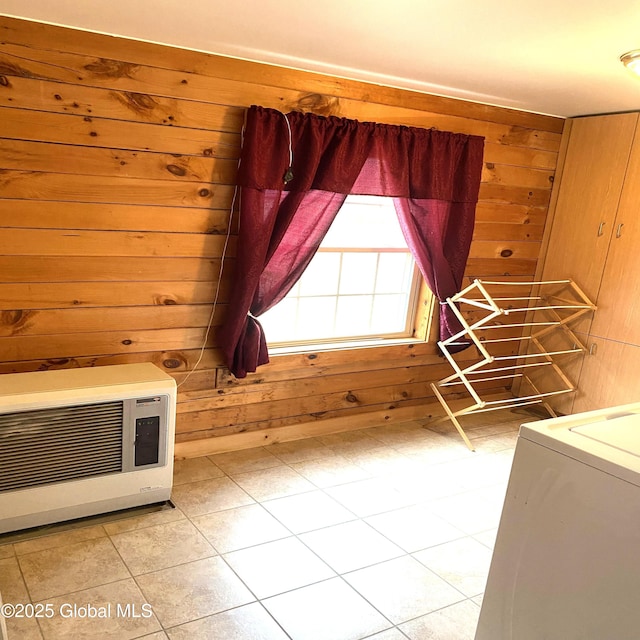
x: 176, y: 170
x: 110, y: 68
x: 506, y: 253
x: 312, y: 356
x: 171, y: 363
x: 57, y: 362
x: 4, y: 81
x: 204, y: 193
x: 137, y: 102
x: 350, y: 397
x: 318, y: 103
x: 127, y: 342
x: 14, y: 70
x: 11, y: 317
x: 15, y: 318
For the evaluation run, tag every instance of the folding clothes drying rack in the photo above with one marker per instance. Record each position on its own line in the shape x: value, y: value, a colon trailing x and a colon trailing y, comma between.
x: 548, y: 313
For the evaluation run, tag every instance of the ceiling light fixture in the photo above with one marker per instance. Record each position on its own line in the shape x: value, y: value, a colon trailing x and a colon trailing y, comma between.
x: 631, y: 60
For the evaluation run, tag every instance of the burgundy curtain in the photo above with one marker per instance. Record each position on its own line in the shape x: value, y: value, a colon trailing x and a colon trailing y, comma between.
x: 286, y: 208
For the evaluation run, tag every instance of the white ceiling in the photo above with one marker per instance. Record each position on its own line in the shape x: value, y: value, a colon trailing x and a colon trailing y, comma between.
x: 558, y: 57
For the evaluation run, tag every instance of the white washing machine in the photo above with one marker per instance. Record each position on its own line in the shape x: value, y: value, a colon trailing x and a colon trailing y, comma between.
x: 566, y: 563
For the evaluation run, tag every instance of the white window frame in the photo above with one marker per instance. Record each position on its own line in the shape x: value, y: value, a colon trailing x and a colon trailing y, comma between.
x: 418, y: 324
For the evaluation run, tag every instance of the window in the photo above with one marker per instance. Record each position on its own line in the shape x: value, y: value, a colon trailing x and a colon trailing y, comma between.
x: 434, y: 177
x: 362, y: 284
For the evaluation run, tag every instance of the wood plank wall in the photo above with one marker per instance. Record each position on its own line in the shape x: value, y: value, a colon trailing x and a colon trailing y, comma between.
x: 117, y: 165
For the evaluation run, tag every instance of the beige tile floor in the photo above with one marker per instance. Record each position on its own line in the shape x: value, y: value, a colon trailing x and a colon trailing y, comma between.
x: 384, y: 533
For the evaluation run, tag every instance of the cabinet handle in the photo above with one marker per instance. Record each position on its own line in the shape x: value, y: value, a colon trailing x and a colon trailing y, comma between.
x: 600, y: 228
x: 619, y: 230
x: 593, y: 348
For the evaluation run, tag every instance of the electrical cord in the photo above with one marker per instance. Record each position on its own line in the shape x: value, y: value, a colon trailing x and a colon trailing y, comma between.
x: 220, y: 272
x: 216, y: 295
x: 287, y: 178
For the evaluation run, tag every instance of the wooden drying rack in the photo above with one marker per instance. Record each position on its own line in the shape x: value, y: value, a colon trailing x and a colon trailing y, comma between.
x: 553, y: 306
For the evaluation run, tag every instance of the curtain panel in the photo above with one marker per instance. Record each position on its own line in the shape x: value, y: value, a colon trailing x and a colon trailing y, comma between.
x: 295, y: 172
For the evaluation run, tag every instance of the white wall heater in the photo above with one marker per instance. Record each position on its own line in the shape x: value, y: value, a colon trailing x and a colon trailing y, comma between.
x: 79, y: 442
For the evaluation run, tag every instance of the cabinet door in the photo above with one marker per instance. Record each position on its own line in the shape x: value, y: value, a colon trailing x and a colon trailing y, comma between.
x: 618, y: 314
x: 590, y: 188
x: 609, y: 377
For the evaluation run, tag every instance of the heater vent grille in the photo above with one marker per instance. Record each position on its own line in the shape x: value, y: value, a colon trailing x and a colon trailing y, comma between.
x: 62, y: 443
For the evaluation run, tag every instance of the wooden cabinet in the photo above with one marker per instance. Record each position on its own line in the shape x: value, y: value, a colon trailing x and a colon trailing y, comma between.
x: 594, y: 240
x: 588, y: 197
x: 618, y: 316
x: 610, y: 375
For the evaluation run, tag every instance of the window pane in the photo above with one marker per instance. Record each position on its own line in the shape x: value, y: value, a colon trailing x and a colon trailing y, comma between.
x: 395, y: 273
x: 389, y: 314
x: 316, y: 318
x: 279, y: 322
x: 353, y: 315
x: 358, y: 273
x: 321, y: 276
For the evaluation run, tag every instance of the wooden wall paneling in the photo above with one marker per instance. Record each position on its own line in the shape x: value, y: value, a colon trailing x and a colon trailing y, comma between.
x: 178, y: 362
x: 38, y: 214
x: 116, y: 74
x: 494, y: 267
x: 22, y: 124
x: 198, y: 425
x: 39, y: 185
x: 347, y: 383
x: 209, y: 444
x: 495, y: 249
x: 40, y: 269
x: 95, y: 343
x: 47, y: 242
x: 99, y: 161
x: 263, y: 417
x: 516, y: 175
x: 95, y: 102
x: 519, y: 156
x: 521, y: 214
x: 331, y: 361
x: 507, y: 231
x: 78, y: 295
x: 514, y: 194
x: 258, y: 416
x: 42, y: 322
x: 117, y: 160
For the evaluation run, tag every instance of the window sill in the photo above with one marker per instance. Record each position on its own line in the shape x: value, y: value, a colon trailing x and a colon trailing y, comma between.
x: 340, y: 346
